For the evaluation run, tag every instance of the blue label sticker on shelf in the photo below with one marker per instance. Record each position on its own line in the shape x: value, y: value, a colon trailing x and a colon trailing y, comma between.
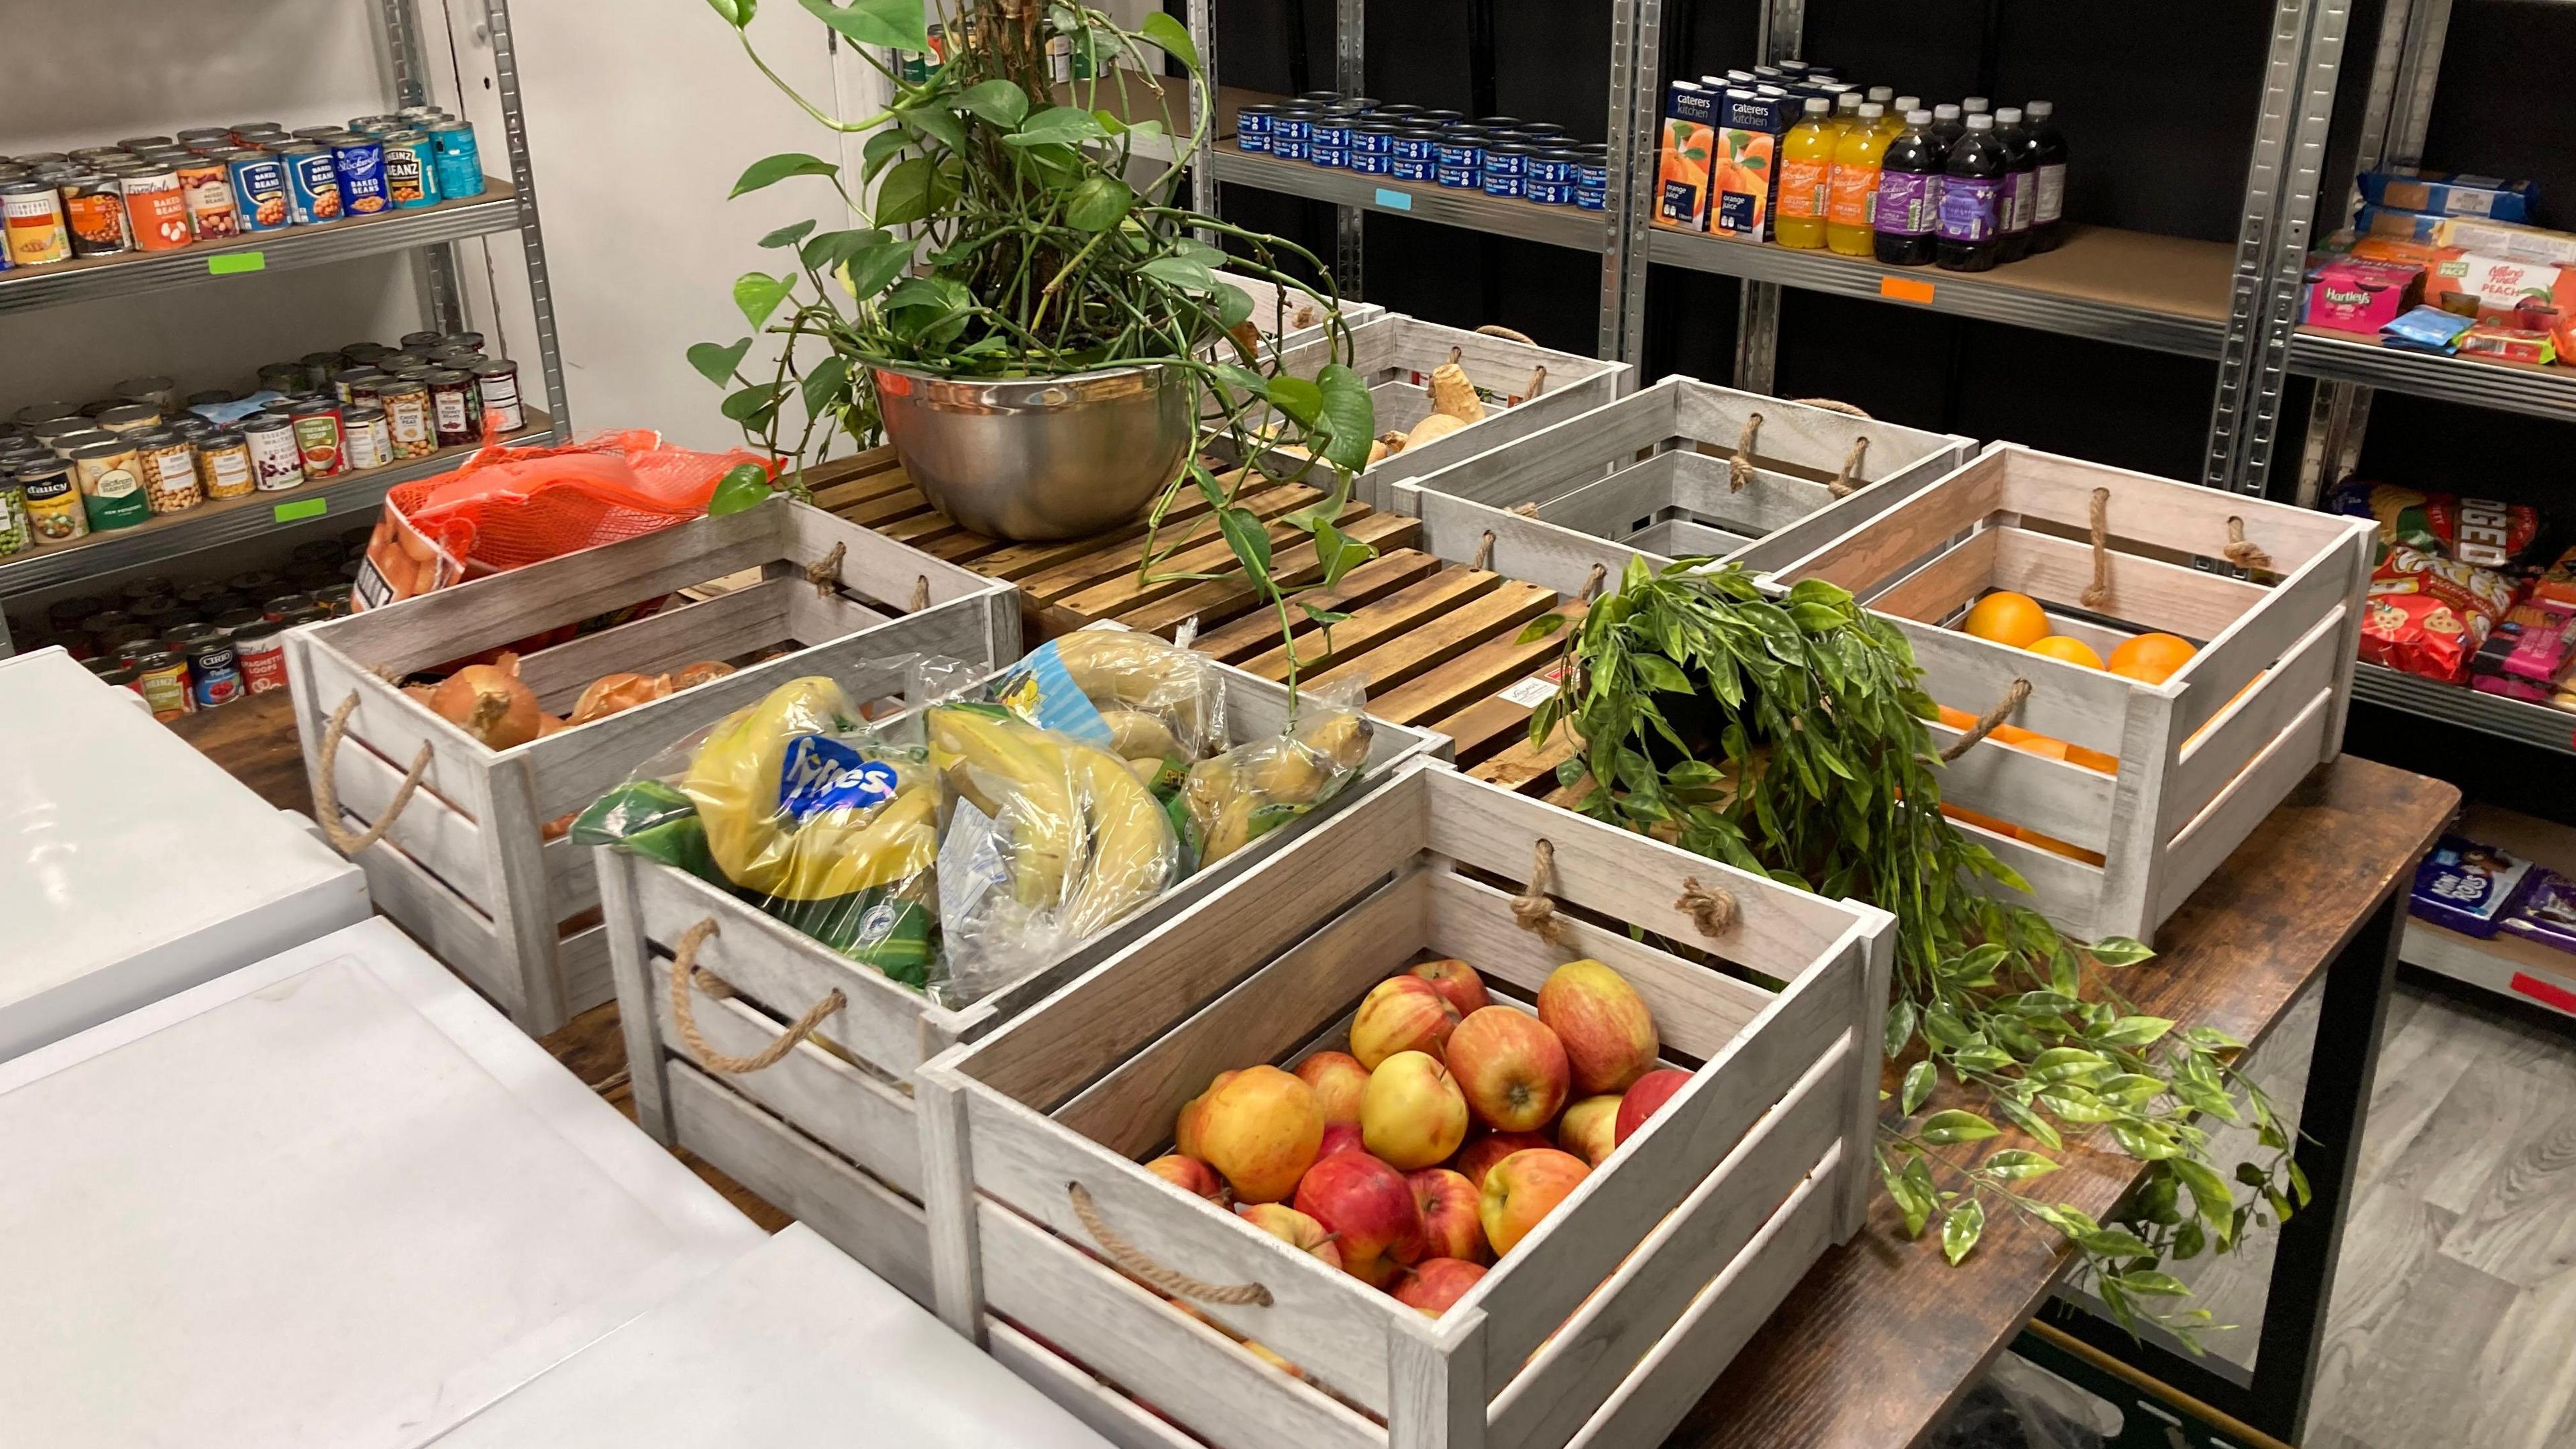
x: 1394, y: 200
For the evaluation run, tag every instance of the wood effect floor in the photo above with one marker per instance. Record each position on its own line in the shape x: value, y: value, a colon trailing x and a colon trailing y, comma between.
x: 2454, y: 1316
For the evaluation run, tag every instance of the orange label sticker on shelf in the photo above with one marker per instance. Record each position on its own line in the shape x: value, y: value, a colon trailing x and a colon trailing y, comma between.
x: 1905, y: 289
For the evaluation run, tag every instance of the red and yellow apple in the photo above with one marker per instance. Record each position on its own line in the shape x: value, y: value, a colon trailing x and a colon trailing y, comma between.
x: 1293, y: 1228
x: 1338, y: 1079
x: 1189, y: 1175
x: 1339, y: 1137
x: 1413, y: 1115
x: 1457, y: 981
x: 1262, y: 1130
x: 1379, y: 1273
x: 1511, y: 1067
x: 1524, y: 1188
x: 1608, y: 1033
x: 1185, y: 1127
x: 1366, y: 1205
x: 1646, y: 1098
x: 1400, y: 1014
x: 1479, y: 1155
x: 1433, y: 1284
x: 1272, y: 1358
x: 1448, y: 1204
x: 1590, y: 1128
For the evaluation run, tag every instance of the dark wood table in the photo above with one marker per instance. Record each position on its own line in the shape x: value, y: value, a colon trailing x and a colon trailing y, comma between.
x: 1881, y: 1338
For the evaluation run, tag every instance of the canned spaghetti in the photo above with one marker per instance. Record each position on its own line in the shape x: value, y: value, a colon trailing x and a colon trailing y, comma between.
x: 360, y: 162
x: 223, y: 464
x: 94, y: 210
x: 407, y: 418
x: 31, y: 213
x: 312, y: 183
x: 275, y: 461
x: 156, y: 209
x: 411, y: 170
x: 497, y: 383
x: 259, y: 190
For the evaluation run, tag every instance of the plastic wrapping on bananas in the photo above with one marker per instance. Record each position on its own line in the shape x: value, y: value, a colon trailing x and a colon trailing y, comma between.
x: 1236, y: 798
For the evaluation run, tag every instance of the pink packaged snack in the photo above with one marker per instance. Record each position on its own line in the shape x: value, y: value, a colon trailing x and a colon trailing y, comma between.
x: 2352, y: 295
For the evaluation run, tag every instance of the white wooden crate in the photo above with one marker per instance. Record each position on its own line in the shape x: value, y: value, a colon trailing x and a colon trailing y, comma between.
x: 1602, y: 1326
x: 464, y: 865
x: 1531, y: 387
x: 1653, y: 472
x: 828, y: 1132
x: 1291, y: 315
x: 2203, y: 757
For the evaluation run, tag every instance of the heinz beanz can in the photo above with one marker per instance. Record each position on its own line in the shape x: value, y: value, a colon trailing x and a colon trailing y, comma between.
x: 259, y: 191
x: 312, y: 184
x: 459, y: 164
x: 360, y: 162
x: 411, y: 170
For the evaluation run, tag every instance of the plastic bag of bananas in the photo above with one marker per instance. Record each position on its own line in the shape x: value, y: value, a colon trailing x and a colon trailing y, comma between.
x: 1235, y: 798
x: 1154, y: 704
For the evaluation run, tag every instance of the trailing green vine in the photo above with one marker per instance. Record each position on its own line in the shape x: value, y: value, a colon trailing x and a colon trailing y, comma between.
x: 1787, y: 737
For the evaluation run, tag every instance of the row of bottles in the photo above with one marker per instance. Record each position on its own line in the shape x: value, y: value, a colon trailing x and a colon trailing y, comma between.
x: 1956, y: 185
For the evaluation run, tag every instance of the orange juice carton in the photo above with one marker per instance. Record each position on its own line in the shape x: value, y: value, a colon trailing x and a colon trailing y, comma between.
x: 2352, y: 295
x: 2447, y: 193
x: 1682, y: 180
x: 2504, y: 239
x: 1747, y: 180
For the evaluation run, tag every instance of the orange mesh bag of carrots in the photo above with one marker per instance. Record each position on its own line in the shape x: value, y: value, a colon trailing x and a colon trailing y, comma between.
x: 506, y: 508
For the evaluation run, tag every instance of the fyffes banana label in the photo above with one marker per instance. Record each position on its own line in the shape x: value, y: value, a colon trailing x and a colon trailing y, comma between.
x: 820, y: 774
x: 1042, y: 691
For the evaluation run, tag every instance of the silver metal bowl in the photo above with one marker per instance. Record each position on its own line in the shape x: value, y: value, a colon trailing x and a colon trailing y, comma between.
x: 1039, y: 458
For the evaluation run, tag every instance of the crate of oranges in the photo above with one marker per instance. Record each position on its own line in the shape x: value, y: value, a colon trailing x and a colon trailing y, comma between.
x: 2131, y: 671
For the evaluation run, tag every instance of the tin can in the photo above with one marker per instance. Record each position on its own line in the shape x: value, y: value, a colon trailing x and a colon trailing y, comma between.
x: 223, y: 465
x: 161, y: 675
x: 94, y: 211
x: 1399, y: 115
x: 290, y: 609
x: 206, y: 188
x: 314, y: 133
x: 1456, y: 178
x: 458, y: 164
x: 349, y: 377
x: 1372, y: 138
x: 1290, y: 148
x: 144, y: 143
x: 496, y: 383
x: 1372, y: 163
x: 451, y: 408
x: 31, y: 212
x: 282, y: 377
x: 419, y: 343
x: 1330, y: 157
x: 320, y: 368
x: 53, y: 499
x: 17, y: 533
x: 1442, y: 119
x: 319, y: 442
x: 130, y: 418
x: 214, y: 672
x: 259, y: 652
x: 213, y: 397
x: 1549, y: 193
x: 469, y: 341
x: 169, y: 470
x: 365, y: 435
x: 1319, y: 98
x: 1550, y: 166
x: 116, y: 672
x: 1509, y: 160
x: 260, y: 196
x: 63, y: 441
x: 1460, y: 148
x: 360, y: 162
x: 407, y: 419
x: 1332, y: 131
x: 1415, y: 145
x: 111, y: 484
x: 411, y: 170
x: 312, y: 184
x: 156, y: 210
x: 276, y: 463
x: 1252, y: 127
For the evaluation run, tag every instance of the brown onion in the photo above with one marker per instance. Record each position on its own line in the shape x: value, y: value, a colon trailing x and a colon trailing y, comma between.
x: 690, y: 676
x: 488, y: 702
x: 610, y: 693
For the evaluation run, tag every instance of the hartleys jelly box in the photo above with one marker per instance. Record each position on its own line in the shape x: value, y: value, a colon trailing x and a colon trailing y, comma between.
x: 2351, y: 295
x: 2446, y: 193
x: 2466, y: 886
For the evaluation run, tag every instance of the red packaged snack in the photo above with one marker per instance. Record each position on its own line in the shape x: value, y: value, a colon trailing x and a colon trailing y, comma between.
x: 2473, y: 530
x: 2428, y: 615
x: 2558, y: 584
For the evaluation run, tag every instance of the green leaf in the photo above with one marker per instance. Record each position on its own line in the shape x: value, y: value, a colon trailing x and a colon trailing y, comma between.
x: 933, y: 121
x: 2114, y: 1243
x: 2073, y: 1104
x: 1944, y: 1128
x: 1659, y: 673
x: 1960, y: 1231
x: 825, y: 253
x: 1233, y: 307
x: 823, y: 384
x: 2209, y: 1194
x: 787, y: 236
x: 997, y: 101
x: 881, y: 149
x: 769, y: 170
x: 1250, y: 541
x: 1539, y: 628
x: 1182, y: 272
x: 1056, y: 126
x: 1349, y: 417
x: 741, y: 488
x: 1317, y: 614
x: 758, y: 294
x: 1943, y: 1025
x: 751, y: 402
x: 2015, y: 1163
x: 2067, y: 1064
x: 736, y: 13
x: 871, y: 269
x: 716, y: 364
x: 1164, y: 31
x: 2161, y: 1285
x: 1298, y: 398
x: 1914, y: 1194
x: 1919, y: 1080
x: 2133, y: 1031
x: 2029, y: 1121
x: 1901, y: 1019
x: 1339, y: 552
x: 896, y: 24
x: 911, y: 191
x: 2119, y: 951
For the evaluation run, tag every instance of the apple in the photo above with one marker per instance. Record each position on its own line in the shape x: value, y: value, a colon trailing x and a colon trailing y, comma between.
x: 1338, y: 1137
x: 1338, y: 1080
x: 1456, y: 981
x: 1293, y: 1228
x: 1433, y: 1284
x: 1262, y: 1130
x: 1522, y: 1189
x: 1185, y: 1127
x: 1447, y: 1202
x: 1413, y: 1115
x: 1608, y: 1033
x: 1480, y: 1155
x: 1400, y: 1014
x: 1189, y: 1175
x: 1589, y: 1128
x: 1274, y: 1360
x: 1366, y: 1205
x: 1381, y: 1273
x: 1511, y: 1067
x: 1646, y: 1098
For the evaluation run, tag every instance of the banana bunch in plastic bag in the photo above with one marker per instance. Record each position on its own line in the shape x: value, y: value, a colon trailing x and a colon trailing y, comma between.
x: 1153, y: 704
x: 1233, y: 799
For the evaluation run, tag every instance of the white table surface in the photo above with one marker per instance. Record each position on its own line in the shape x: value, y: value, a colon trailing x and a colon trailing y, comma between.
x: 333, y: 1199
x: 132, y: 866
x: 791, y: 1344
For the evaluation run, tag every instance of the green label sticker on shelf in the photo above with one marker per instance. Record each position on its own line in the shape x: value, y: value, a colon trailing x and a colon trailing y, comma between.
x: 302, y: 508
x: 231, y: 263
x: 1395, y: 200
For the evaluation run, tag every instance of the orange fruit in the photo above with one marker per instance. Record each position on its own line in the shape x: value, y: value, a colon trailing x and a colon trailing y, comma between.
x: 2072, y: 650
x: 1970, y: 817
x: 2093, y: 759
x: 2007, y: 618
x: 2151, y: 658
x: 2058, y: 847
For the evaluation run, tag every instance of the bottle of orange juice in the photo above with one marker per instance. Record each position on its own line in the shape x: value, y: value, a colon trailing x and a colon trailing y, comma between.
x: 1846, y: 113
x: 1806, y: 178
x: 1852, y: 199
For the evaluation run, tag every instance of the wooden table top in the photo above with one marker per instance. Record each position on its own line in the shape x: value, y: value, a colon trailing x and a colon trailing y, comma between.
x: 1881, y: 1337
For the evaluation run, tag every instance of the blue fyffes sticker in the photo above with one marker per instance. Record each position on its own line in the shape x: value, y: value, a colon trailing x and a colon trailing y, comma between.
x: 822, y: 774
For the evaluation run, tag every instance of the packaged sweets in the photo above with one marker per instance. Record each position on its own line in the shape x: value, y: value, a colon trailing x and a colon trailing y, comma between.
x: 2529, y: 345
x: 2447, y: 193
x: 2351, y: 295
x: 2425, y: 329
x: 2557, y: 583
x: 2472, y: 530
x: 2467, y: 887
x: 2546, y: 914
x: 2428, y: 615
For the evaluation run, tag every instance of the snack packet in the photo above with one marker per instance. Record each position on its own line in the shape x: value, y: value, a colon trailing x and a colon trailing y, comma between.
x: 1237, y: 797
x: 2428, y: 615
x: 2467, y: 887
x: 2473, y: 530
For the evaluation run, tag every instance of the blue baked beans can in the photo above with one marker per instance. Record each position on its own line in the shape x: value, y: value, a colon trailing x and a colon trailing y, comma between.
x: 1372, y: 163
x: 1252, y: 127
x: 1404, y: 170
x: 312, y: 184
x: 259, y: 192
x: 1512, y: 186
x: 459, y: 164
x: 1456, y: 178
x: 1333, y: 131
x: 360, y: 160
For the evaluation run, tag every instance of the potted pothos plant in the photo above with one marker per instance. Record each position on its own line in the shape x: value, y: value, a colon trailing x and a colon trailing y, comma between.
x: 996, y: 233
x: 1786, y: 736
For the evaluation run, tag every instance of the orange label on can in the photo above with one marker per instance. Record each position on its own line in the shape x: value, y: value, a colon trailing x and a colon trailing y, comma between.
x: 1803, y: 188
x: 160, y: 217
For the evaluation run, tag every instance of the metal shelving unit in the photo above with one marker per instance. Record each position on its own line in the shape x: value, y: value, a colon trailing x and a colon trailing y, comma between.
x: 2342, y: 357
x: 1555, y: 225
x: 2511, y: 719
x: 433, y: 232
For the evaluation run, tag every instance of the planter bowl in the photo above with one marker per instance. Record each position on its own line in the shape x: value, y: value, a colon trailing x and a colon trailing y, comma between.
x: 1039, y: 458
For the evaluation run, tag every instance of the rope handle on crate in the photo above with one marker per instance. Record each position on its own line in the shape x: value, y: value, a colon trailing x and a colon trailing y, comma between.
x: 1170, y: 1281
x: 2240, y: 553
x: 1592, y: 582
x: 1484, y: 559
x: 1739, y: 468
x: 326, y: 786
x: 825, y: 573
x: 920, y: 594
x: 1496, y: 329
x: 1845, y: 481
x: 684, y: 970
x: 1987, y: 723
x: 1711, y: 909
x: 1532, y: 908
x: 2097, y: 594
